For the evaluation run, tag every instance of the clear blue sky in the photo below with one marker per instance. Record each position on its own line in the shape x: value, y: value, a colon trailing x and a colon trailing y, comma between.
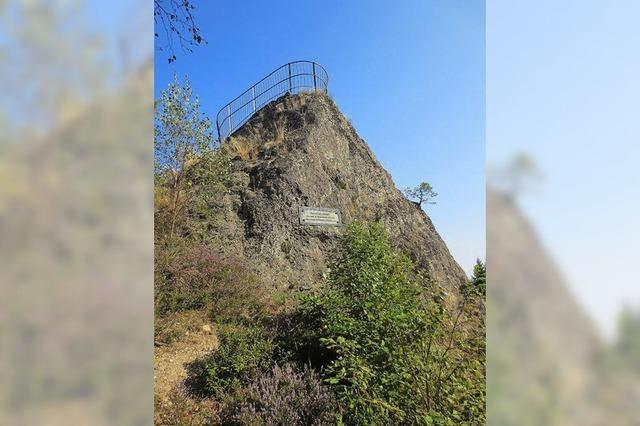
x: 410, y: 75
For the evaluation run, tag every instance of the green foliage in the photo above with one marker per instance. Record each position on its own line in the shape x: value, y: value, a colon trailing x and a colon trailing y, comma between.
x: 189, y: 173
x: 370, y: 320
x: 478, y: 283
x: 244, y: 353
x: 390, y: 356
x: 172, y: 328
x: 182, y: 410
x: 340, y: 184
x: 422, y: 194
x: 520, y: 175
x: 181, y: 129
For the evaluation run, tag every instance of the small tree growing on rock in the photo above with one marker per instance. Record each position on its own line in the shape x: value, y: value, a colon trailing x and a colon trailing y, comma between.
x: 421, y: 194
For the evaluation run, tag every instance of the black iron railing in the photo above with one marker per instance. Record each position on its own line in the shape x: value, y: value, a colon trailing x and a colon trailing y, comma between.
x: 294, y: 77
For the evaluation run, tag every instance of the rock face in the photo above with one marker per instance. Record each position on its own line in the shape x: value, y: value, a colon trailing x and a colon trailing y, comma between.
x: 301, y: 151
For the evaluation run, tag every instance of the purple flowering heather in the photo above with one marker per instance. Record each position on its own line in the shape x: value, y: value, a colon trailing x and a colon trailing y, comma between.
x: 284, y: 396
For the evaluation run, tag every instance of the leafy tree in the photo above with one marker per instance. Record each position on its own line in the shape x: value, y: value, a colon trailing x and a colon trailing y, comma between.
x: 185, y: 161
x: 421, y: 194
x: 43, y: 41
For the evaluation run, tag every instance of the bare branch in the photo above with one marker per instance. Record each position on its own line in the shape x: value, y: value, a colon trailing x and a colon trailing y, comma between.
x: 177, y: 21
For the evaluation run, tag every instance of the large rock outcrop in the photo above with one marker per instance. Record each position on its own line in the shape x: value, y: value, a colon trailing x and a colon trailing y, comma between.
x: 301, y: 151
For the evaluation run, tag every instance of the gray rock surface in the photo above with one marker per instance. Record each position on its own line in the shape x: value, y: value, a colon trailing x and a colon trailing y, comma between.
x: 301, y: 151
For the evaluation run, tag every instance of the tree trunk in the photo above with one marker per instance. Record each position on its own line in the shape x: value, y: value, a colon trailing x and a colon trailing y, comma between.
x: 176, y: 196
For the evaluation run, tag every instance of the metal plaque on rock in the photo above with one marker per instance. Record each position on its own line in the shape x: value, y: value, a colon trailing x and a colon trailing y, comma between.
x: 320, y: 216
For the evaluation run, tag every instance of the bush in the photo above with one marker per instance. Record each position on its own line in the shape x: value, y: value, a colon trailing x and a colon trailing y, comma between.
x: 371, y: 319
x: 283, y: 397
x: 390, y: 357
x: 189, y: 278
x: 243, y: 354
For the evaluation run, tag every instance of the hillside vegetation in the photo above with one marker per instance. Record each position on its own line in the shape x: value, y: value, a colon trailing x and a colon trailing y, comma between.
x: 376, y: 337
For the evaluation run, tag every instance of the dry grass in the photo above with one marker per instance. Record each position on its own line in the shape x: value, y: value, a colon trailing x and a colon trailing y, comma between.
x: 180, y: 409
x: 248, y: 147
x: 280, y: 131
x: 173, y: 404
x: 178, y: 326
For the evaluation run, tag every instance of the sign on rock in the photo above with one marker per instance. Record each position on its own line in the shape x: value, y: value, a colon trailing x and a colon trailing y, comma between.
x: 320, y: 216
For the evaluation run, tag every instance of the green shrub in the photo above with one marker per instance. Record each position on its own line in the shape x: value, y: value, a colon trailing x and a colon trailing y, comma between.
x: 243, y: 354
x: 389, y: 356
x: 371, y: 319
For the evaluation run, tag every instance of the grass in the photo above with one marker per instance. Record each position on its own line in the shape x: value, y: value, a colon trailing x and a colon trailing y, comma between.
x: 248, y: 147
x: 178, y: 325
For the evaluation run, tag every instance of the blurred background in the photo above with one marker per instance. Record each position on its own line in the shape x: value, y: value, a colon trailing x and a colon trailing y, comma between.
x: 76, y: 231
x: 563, y: 213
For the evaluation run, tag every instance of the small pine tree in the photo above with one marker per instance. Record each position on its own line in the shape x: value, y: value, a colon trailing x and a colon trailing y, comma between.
x: 421, y: 194
x: 479, y: 278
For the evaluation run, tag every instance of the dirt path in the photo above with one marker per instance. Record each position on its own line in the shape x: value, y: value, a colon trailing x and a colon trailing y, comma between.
x: 169, y: 361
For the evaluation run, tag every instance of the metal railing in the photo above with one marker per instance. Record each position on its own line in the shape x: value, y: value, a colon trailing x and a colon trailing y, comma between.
x: 294, y: 77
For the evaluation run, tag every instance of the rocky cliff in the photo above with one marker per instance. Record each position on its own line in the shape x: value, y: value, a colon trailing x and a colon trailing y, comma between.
x: 301, y: 151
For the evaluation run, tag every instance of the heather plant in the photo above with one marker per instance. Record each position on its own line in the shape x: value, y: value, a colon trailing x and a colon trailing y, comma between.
x: 200, y: 277
x: 283, y: 396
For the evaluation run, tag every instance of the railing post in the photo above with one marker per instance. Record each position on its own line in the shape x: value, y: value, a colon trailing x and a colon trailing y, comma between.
x: 277, y: 74
x: 314, y: 76
x: 253, y: 97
